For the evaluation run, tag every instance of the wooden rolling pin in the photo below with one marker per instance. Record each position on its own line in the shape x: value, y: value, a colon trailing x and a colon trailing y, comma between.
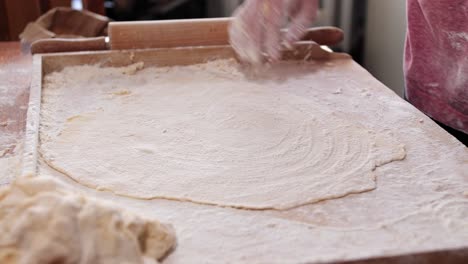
x: 68, y: 45
x: 168, y: 34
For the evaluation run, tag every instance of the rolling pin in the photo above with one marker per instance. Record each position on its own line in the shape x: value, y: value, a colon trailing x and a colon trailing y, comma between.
x: 69, y: 45
x: 167, y: 34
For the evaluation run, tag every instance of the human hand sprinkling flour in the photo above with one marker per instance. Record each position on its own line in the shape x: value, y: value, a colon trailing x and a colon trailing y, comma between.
x: 256, y: 30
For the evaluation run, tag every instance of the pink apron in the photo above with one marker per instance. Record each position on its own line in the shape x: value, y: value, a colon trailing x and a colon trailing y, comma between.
x: 436, y: 60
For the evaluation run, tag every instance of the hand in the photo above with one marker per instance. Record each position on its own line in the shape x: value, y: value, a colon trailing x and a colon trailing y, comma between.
x: 255, y: 32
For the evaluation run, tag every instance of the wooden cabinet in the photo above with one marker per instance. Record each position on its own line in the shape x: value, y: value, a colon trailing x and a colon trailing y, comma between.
x: 15, y: 15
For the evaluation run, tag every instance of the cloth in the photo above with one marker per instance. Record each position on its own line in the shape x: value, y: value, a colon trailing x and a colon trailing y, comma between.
x: 436, y: 60
x: 64, y: 22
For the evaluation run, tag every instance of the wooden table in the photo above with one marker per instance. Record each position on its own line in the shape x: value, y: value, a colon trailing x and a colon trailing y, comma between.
x: 15, y: 77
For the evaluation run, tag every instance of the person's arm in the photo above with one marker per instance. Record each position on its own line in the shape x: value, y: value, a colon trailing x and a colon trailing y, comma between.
x: 256, y: 29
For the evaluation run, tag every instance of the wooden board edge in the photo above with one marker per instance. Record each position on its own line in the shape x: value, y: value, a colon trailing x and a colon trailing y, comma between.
x: 161, y: 57
x: 31, y: 135
x: 150, y: 57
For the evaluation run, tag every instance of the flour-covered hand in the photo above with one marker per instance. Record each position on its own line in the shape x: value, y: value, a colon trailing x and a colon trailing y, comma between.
x: 255, y: 32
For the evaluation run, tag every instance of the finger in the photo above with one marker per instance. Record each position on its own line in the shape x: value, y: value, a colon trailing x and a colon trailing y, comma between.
x: 302, y: 20
x: 245, y: 32
x: 274, y: 20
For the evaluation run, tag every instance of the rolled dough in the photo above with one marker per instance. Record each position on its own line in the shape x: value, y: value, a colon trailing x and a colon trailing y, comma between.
x: 208, y: 134
x: 42, y: 222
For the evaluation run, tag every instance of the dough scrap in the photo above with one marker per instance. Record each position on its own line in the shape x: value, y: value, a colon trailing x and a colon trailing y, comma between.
x: 42, y: 222
x: 208, y: 134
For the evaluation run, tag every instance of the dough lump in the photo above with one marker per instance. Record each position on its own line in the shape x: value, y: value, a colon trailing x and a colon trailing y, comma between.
x: 41, y: 222
x: 208, y: 134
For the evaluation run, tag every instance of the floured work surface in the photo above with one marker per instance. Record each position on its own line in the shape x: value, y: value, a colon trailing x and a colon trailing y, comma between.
x: 336, y: 166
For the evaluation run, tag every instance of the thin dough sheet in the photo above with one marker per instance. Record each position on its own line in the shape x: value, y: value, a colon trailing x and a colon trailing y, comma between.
x: 207, y: 133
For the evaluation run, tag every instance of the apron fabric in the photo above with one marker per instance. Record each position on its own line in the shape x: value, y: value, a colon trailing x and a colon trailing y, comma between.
x: 436, y: 60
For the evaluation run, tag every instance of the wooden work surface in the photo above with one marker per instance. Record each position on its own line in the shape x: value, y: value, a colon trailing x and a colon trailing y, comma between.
x: 17, y: 73
x: 15, y: 78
